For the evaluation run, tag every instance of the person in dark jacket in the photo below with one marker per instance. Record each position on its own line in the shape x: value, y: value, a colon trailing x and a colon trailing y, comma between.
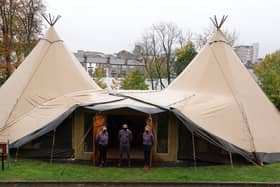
x: 102, y: 140
x: 148, y: 141
x: 125, y: 139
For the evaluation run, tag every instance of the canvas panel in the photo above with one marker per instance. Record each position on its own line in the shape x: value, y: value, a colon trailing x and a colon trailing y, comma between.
x: 49, y: 115
x: 12, y: 89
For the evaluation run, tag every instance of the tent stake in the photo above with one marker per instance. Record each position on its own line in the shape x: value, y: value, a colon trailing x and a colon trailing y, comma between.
x: 52, y: 150
x: 193, y: 146
x: 230, y: 158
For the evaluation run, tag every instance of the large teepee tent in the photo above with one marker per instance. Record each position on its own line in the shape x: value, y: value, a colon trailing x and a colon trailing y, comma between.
x: 217, y: 99
x: 48, y: 85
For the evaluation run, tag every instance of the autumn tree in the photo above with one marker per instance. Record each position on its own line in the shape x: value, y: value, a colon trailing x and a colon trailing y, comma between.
x: 100, y: 73
x: 184, y: 56
x: 268, y: 72
x: 134, y: 81
x: 31, y: 23
x: 8, y: 10
x: 21, y: 26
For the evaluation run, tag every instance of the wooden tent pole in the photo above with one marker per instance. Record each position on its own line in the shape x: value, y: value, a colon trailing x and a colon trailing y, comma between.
x: 53, y: 143
x: 93, y: 140
x: 17, y: 153
x: 51, y: 20
x: 193, y: 146
x: 99, y: 121
x: 230, y: 158
x: 151, y: 123
x: 217, y: 24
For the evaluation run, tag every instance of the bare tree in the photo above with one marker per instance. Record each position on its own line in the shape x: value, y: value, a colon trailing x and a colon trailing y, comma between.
x: 168, y: 34
x: 201, y: 39
x: 149, y: 51
x: 185, y: 38
x: 141, y: 49
x: 157, y: 49
x: 157, y: 59
x: 231, y: 36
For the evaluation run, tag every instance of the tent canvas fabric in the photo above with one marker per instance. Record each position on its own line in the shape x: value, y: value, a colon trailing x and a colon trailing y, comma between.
x: 217, y: 99
x: 46, y: 88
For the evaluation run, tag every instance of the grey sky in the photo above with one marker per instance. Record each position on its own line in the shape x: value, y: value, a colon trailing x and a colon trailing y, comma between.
x: 111, y: 25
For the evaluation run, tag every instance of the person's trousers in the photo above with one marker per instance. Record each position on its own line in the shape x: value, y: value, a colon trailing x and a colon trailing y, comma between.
x: 147, y: 154
x: 124, y: 148
x: 103, y: 154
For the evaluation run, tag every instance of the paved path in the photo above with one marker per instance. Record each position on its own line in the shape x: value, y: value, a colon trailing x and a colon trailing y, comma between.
x: 131, y: 184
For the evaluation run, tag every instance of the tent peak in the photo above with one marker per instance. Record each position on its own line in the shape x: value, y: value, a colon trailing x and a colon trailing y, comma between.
x: 217, y: 24
x: 51, y: 19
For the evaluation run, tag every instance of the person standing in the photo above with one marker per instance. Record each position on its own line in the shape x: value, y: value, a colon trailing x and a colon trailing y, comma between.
x: 148, y: 141
x: 102, y: 140
x: 125, y: 139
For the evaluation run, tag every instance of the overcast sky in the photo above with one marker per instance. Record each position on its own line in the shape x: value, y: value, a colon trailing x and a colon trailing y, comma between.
x: 112, y: 25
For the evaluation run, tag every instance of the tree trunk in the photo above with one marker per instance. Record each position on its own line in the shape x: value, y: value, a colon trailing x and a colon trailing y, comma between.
x: 152, y: 82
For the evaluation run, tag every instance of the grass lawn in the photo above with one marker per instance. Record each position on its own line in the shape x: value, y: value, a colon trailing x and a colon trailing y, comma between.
x: 37, y: 170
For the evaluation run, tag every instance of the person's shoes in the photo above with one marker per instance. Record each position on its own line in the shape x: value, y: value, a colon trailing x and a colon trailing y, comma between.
x: 145, y: 167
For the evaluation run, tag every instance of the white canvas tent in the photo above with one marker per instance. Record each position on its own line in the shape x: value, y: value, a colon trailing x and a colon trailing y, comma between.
x: 217, y: 99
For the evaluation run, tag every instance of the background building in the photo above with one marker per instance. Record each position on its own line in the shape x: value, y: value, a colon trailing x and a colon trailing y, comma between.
x: 117, y: 65
x: 248, y: 54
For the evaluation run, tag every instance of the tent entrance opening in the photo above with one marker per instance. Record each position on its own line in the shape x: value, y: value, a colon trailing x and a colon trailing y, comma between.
x: 136, y: 124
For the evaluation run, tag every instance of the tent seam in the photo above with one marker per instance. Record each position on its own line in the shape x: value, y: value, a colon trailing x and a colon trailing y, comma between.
x: 240, y: 106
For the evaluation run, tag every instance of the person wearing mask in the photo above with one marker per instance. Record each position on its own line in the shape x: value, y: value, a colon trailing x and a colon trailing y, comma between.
x: 102, y: 140
x: 125, y: 139
x: 148, y: 141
